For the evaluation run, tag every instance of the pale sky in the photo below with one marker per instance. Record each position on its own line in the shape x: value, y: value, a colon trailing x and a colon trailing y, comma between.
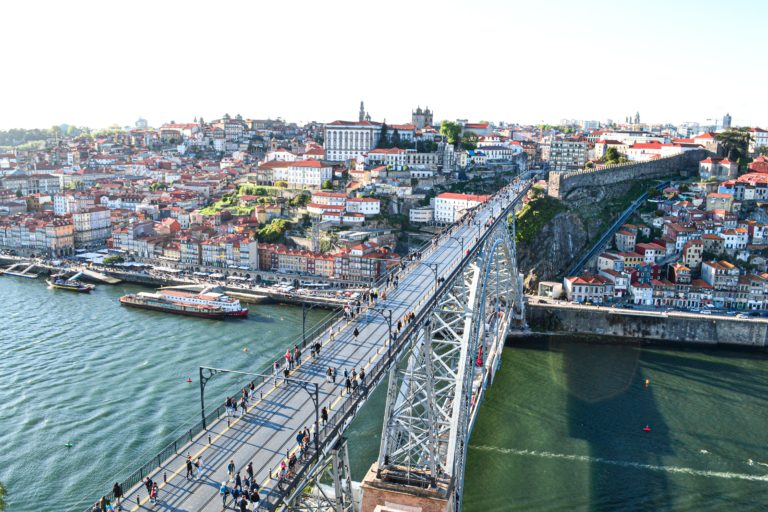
x: 99, y: 63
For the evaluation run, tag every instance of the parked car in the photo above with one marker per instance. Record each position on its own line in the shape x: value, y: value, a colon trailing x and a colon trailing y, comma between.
x: 706, y: 312
x: 742, y: 315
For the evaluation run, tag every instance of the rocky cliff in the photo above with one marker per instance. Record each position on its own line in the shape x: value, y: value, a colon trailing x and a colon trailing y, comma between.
x: 550, y: 252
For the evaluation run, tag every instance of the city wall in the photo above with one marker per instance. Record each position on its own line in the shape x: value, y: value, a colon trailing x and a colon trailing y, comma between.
x: 566, y: 185
x: 714, y: 330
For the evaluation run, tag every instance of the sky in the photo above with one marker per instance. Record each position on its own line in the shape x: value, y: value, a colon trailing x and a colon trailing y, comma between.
x: 528, y: 61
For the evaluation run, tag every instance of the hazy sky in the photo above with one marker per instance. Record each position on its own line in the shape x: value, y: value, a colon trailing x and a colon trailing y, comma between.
x: 98, y: 63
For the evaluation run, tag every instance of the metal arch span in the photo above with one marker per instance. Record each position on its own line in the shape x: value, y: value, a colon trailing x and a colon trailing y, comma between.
x: 430, y: 398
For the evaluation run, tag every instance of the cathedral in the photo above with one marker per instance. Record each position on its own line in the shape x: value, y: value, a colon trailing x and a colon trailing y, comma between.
x: 421, y: 118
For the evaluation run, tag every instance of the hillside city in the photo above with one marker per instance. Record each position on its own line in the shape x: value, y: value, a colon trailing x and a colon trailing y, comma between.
x: 242, y: 198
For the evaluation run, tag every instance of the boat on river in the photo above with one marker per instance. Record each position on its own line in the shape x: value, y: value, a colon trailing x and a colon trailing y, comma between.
x: 59, y: 282
x: 158, y: 302
x: 230, y: 305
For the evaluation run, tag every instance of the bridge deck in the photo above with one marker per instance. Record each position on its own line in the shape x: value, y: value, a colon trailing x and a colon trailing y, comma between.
x: 266, y: 433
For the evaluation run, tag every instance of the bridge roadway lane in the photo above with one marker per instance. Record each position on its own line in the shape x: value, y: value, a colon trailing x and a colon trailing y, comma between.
x: 266, y: 433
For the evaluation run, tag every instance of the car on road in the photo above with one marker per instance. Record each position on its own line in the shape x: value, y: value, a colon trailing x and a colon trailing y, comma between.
x: 742, y: 315
x: 706, y: 312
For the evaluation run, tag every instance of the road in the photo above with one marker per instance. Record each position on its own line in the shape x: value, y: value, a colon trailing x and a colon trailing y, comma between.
x: 267, y: 432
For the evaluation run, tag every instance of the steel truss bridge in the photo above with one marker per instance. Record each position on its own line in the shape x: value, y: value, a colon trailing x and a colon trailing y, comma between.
x: 463, y: 296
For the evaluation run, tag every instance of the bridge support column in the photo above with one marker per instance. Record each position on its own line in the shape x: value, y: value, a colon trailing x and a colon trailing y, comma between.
x: 380, y: 495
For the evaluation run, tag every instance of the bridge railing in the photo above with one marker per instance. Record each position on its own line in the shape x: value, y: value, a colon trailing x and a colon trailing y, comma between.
x: 338, y: 422
x: 154, y: 464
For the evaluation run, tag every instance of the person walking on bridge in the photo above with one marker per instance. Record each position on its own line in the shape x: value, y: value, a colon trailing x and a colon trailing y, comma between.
x: 324, y: 415
x: 189, y: 467
x: 224, y: 492
x: 317, y: 349
x: 117, y: 491
x: 356, y: 333
x: 231, y: 470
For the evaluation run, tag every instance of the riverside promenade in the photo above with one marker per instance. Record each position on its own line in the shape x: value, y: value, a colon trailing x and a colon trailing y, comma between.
x: 266, y: 434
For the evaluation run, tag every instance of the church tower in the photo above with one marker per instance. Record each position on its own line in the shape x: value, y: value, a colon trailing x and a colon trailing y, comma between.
x: 361, y: 117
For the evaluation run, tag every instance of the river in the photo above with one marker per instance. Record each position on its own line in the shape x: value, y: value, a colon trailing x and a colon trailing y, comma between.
x: 561, y: 427
x: 111, y: 380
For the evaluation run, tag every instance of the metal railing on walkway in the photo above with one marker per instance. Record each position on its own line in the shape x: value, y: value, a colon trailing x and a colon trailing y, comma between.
x: 154, y: 464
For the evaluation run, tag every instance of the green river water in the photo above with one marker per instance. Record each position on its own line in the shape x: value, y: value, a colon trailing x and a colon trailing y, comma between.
x: 561, y: 427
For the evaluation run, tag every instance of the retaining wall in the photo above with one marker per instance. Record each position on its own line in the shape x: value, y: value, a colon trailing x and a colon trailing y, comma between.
x: 714, y: 330
x: 563, y: 184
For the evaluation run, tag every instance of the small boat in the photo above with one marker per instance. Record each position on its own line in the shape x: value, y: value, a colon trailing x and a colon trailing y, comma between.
x: 157, y: 302
x: 59, y: 282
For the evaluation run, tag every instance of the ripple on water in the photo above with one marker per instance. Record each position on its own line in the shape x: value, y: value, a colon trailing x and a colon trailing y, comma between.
x: 111, y: 380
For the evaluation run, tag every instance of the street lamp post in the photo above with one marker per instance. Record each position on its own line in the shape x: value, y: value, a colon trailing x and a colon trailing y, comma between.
x: 388, y: 317
x: 312, y: 389
x: 461, y: 241
x: 304, y: 311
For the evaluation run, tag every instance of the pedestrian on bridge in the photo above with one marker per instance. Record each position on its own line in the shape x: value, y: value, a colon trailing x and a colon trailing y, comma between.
x: 349, y: 385
x: 238, y: 481
x: 324, y: 415
x: 117, y: 491
x: 249, y: 471
x: 199, y: 465
x: 231, y: 470
x: 333, y: 375
x: 224, y: 493
x: 317, y: 349
x: 356, y: 333
x: 189, y: 467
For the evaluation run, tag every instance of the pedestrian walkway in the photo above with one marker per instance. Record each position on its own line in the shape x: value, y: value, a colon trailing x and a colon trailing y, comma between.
x: 266, y: 434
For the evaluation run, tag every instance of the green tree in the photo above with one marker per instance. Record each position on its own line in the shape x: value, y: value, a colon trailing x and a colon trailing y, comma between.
x: 113, y: 260
x: 300, y: 200
x: 3, y: 495
x: 327, y: 185
x: 281, y: 184
x: 18, y: 193
x: 451, y: 131
x: 383, y: 137
x: 469, y: 141
x: 735, y: 142
x: 396, y: 139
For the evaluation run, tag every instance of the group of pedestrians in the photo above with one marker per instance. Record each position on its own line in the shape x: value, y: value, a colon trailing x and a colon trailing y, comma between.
x: 194, y: 468
x: 231, y: 404
x: 354, y: 382
x: 243, y: 491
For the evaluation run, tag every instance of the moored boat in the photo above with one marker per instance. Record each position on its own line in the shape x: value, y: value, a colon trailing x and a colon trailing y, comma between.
x: 230, y: 305
x: 157, y: 302
x: 59, y: 282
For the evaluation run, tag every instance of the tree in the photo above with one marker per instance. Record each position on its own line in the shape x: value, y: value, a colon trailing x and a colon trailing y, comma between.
x: 113, y: 260
x: 383, y: 137
x: 18, y: 193
x: 451, y: 131
x: 327, y: 185
x: 735, y: 143
x: 281, y: 184
x: 3, y: 494
x: 611, y: 155
x: 469, y: 141
x: 396, y: 139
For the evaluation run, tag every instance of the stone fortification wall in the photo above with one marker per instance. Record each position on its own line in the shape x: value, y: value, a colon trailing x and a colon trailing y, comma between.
x: 713, y: 330
x: 564, y: 185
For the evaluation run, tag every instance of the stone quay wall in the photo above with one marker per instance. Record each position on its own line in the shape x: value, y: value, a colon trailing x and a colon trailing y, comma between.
x: 630, y: 324
x: 561, y: 185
